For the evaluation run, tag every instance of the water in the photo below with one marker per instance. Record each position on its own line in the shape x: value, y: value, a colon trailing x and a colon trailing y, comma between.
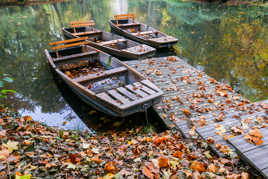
x: 229, y: 43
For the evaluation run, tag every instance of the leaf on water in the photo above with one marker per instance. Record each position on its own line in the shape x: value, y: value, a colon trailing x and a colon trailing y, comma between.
x: 1, y: 84
x: 8, y: 79
x: 5, y: 91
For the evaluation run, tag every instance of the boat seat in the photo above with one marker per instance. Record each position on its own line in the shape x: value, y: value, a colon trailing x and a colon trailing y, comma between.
x: 87, y: 33
x: 131, y: 95
x: 144, y: 33
x: 104, y: 74
x: 112, y: 42
x: 69, y: 57
x: 128, y: 25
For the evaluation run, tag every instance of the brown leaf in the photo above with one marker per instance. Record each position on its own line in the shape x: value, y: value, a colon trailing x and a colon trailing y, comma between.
x: 147, y: 172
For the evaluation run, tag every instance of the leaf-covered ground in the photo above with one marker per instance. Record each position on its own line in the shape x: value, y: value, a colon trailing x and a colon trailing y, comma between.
x: 28, y: 147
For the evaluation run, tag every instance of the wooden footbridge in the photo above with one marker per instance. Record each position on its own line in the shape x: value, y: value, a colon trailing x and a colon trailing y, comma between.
x: 199, y: 106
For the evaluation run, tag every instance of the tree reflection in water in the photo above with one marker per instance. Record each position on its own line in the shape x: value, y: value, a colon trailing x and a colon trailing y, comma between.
x: 228, y: 42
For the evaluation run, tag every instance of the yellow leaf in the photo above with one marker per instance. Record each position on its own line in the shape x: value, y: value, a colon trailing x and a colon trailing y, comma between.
x: 28, y: 176
x: 11, y: 145
x: 108, y: 176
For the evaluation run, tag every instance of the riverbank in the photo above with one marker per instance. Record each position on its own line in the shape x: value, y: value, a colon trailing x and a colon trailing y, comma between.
x: 28, y: 147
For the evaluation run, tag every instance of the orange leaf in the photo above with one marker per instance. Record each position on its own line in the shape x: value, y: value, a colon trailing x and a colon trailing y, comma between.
x: 198, y: 166
x: 110, y: 167
x: 244, y: 175
x: 178, y: 154
x: 172, y: 59
x: 186, y: 112
x: 210, y: 140
x: 212, y: 168
x: 255, y: 133
x: 162, y: 161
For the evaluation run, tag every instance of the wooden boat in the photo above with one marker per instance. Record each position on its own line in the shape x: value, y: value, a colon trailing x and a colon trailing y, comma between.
x: 108, y: 42
x: 126, y: 26
x: 102, y: 81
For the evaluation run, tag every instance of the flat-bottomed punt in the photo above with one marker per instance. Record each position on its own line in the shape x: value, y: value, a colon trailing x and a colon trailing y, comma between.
x: 126, y: 26
x: 107, y: 42
x: 102, y: 81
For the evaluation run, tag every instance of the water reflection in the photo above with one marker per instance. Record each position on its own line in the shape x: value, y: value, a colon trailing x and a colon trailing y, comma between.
x: 227, y: 42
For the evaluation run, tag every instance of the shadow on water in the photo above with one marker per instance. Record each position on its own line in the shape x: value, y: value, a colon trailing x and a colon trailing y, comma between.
x: 98, y: 121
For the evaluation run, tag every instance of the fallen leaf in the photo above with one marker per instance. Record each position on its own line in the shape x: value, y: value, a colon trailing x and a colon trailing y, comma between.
x: 177, y: 154
x: 11, y: 145
x: 186, y: 112
x: 197, y: 166
x: 110, y: 167
x: 147, y: 172
x: 162, y: 162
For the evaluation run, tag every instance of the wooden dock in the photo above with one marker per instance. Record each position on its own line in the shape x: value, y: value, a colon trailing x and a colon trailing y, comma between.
x: 198, y: 105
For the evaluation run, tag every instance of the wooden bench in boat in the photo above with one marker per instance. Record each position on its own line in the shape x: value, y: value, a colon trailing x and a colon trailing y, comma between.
x: 104, y: 74
x: 144, y: 33
x: 112, y: 42
x: 78, y: 55
x: 128, y: 25
x: 131, y: 95
x: 68, y: 43
x: 87, y: 33
x: 75, y: 24
x: 124, y: 17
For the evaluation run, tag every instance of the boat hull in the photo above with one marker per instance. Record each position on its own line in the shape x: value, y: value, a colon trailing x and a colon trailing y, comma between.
x: 154, y: 44
x: 115, y: 52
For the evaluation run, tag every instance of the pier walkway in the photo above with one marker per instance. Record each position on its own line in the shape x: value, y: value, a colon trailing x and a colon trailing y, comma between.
x: 199, y: 106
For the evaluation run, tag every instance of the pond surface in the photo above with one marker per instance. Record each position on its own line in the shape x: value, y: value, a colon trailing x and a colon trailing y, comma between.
x: 229, y: 43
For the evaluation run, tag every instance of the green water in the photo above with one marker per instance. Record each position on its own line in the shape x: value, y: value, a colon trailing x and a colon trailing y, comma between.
x: 229, y: 43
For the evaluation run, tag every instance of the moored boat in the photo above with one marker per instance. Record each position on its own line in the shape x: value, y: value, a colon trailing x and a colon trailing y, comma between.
x: 125, y: 25
x: 108, y: 42
x: 101, y: 80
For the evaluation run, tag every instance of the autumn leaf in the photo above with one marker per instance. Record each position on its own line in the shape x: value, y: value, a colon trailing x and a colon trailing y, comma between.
x: 255, y: 133
x: 244, y: 175
x: 212, y: 168
x: 11, y: 145
x: 4, y: 153
x: 162, y: 161
x: 197, y: 166
x: 158, y: 72
x: 172, y: 59
x: 210, y: 140
x: 147, y: 172
x: 186, y: 112
x: 110, y: 167
x: 177, y: 154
